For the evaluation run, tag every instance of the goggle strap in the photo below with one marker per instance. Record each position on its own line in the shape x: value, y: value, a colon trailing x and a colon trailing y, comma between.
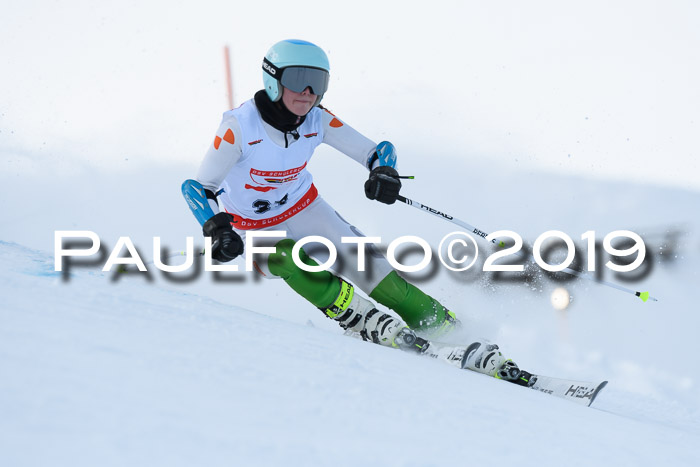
x: 271, y: 69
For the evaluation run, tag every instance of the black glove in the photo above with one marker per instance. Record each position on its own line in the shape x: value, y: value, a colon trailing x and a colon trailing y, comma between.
x: 383, y: 184
x: 225, y: 243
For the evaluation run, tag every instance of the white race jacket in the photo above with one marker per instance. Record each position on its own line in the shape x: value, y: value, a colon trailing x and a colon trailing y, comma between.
x: 263, y: 172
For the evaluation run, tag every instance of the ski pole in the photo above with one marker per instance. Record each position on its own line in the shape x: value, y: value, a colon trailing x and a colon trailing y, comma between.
x: 481, y: 233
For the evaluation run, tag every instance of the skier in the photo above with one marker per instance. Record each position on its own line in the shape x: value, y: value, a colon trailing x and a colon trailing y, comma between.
x: 254, y: 177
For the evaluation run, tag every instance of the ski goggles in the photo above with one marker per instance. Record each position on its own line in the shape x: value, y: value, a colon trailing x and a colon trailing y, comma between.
x: 298, y: 78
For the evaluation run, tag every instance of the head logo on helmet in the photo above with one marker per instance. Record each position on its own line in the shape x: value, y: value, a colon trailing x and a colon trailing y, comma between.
x: 296, y: 65
x: 267, y: 67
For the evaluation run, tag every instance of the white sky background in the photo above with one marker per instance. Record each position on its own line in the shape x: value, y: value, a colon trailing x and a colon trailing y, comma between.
x: 604, y: 89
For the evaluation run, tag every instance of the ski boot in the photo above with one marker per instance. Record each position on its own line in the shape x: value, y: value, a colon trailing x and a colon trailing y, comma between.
x: 450, y: 324
x: 484, y: 357
x: 358, y: 315
x: 407, y: 340
x: 510, y: 372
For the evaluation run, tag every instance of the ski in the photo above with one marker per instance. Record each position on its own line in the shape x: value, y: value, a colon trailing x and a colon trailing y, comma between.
x: 580, y: 392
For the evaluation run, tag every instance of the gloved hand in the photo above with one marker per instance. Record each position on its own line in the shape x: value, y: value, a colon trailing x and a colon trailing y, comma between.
x: 383, y: 185
x: 226, y: 244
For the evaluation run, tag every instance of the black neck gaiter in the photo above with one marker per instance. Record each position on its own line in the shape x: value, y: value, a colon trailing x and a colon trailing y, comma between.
x: 276, y: 114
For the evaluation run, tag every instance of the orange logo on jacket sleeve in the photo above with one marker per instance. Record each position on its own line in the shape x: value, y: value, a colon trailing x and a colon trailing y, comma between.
x: 335, y: 123
x: 228, y: 137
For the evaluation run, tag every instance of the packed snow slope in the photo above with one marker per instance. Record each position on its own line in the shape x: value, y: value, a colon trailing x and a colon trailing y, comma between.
x: 148, y: 369
x: 98, y: 373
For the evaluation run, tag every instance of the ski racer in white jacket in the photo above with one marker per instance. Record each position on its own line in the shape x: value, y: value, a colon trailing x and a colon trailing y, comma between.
x: 254, y: 177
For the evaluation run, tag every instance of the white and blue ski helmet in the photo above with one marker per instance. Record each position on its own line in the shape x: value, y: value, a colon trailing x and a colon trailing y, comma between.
x: 296, y: 65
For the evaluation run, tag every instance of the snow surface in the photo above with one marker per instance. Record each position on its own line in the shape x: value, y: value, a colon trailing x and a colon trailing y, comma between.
x: 97, y: 373
x: 135, y: 369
